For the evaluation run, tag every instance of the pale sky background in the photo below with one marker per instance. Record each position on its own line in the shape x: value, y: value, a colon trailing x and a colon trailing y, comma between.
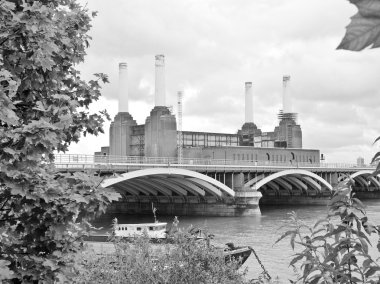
x: 212, y: 47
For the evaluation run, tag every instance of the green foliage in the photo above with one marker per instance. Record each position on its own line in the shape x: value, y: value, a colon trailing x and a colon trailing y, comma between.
x: 364, y: 29
x: 335, y: 249
x: 44, y: 108
x: 376, y: 160
x: 186, y: 260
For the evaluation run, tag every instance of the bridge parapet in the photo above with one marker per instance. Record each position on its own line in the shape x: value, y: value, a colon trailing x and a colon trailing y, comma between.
x: 79, y: 162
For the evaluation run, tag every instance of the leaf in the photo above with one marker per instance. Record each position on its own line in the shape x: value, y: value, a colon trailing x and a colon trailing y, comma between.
x: 377, y: 139
x: 5, y: 272
x: 39, y: 106
x: 320, y: 222
x: 292, y: 238
x: 371, y: 271
x: 284, y: 235
x: 79, y: 198
x: 297, y: 258
x: 51, y: 264
x: 364, y: 28
x: 377, y: 155
x: 315, y: 279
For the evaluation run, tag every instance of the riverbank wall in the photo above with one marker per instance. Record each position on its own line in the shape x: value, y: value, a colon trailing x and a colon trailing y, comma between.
x: 243, y: 204
x: 311, y: 200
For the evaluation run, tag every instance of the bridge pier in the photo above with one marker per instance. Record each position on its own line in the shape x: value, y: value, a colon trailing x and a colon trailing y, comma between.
x: 294, y: 200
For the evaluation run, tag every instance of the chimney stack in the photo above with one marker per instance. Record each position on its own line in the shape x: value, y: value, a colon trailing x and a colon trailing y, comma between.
x: 160, y: 81
x: 123, y: 87
x: 286, y: 99
x: 248, y: 102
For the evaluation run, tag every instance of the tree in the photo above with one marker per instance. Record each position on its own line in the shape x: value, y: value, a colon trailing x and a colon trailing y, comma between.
x: 44, y: 108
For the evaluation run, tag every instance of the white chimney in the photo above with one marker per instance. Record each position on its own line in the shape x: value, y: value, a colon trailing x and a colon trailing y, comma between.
x: 160, y: 81
x: 286, y: 98
x: 248, y: 102
x: 123, y: 87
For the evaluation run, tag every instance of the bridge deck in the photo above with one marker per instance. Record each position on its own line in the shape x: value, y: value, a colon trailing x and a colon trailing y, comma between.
x: 69, y: 162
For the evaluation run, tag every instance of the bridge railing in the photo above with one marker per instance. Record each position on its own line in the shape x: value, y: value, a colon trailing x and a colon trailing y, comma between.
x: 79, y: 159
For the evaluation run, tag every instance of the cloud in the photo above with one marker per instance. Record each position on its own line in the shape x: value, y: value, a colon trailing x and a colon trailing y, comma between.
x: 213, y: 46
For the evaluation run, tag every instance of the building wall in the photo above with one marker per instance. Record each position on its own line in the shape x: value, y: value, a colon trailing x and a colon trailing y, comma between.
x: 160, y: 133
x: 207, y: 139
x: 297, y: 137
x: 138, y: 140
x: 289, y: 131
x: 120, y: 134
x: 254, y: 154
x: 248, y: 133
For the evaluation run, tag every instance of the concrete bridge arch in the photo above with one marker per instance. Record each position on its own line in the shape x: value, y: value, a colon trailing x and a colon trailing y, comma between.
x: 179, y: 192
x: 366, y: 180
x: 291, y: 181
x: 170, y: 183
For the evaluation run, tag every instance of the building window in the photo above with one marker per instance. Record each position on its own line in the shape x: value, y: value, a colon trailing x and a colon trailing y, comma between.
x: 234, y: 157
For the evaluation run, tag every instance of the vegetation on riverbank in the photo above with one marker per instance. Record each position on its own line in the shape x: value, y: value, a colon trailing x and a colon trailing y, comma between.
x: 185, y: 260
x: 335, y: 249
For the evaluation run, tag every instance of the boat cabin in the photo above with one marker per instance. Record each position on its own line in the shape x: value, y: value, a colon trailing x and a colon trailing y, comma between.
x: 152, y: 230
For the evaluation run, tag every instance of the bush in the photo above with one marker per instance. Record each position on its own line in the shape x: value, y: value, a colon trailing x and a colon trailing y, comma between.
x: 186, y: 260
x: 335, y: 250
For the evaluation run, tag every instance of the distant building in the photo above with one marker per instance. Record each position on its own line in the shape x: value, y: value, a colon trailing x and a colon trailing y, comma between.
x: 158, y: 137
x: 360, y: 161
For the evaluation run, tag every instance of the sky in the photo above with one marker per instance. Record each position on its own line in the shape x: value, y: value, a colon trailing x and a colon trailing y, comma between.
x: 212, y: 47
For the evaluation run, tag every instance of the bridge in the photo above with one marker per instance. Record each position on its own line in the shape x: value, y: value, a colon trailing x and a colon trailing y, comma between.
x: 218, y: 187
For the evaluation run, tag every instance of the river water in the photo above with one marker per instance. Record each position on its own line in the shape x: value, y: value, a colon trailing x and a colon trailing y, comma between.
x: 260, y: 232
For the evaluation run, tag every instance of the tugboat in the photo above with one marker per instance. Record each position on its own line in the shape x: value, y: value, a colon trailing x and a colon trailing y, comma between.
x: 151, y: 230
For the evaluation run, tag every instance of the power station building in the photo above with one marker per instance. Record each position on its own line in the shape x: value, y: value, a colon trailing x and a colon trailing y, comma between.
x: 160, y: 136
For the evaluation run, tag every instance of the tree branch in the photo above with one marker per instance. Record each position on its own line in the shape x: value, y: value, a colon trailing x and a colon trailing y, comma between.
x: 5, y: 40
x: 5, y: 202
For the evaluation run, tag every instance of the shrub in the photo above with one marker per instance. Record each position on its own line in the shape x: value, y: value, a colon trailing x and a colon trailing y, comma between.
x: 335, y: 249
x: 186, y: 260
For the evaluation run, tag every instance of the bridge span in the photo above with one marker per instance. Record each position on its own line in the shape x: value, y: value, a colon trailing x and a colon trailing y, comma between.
x: 218, y: 187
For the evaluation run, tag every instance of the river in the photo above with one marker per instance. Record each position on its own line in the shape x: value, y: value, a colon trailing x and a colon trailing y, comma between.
x: 260, y: 232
